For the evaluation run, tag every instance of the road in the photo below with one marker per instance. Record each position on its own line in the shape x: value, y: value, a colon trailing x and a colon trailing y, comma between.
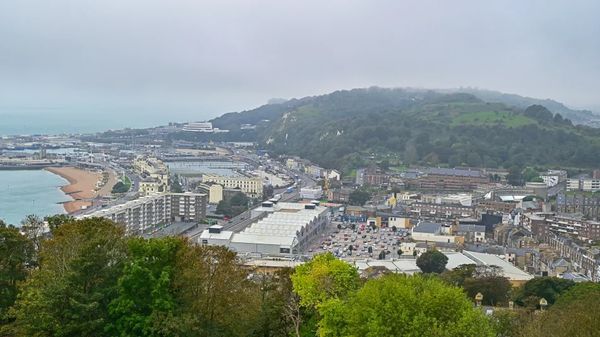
x: 240, y: 222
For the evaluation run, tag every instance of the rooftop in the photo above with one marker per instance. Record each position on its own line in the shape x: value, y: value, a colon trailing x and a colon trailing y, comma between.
x: 428, y: 227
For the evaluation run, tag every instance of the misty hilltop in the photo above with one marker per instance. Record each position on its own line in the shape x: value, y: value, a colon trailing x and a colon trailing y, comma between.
x: 476, y: 128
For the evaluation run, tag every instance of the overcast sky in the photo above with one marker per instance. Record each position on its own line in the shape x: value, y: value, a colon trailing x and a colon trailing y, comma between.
x: 203, y: 58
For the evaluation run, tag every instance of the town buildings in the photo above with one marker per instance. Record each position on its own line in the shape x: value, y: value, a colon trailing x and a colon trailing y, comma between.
x: 583, y: 184
x: 579, y: 202
x: 154, y: 173
x: 281, y: 229
x: 251, y: 186
x: 141, y: 214
x: 443, y: 179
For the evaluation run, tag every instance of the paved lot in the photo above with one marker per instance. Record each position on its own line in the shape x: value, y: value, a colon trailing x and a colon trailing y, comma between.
x: 340, y: 236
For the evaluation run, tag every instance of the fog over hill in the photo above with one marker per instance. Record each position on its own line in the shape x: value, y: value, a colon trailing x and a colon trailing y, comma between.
x: 476, y: 128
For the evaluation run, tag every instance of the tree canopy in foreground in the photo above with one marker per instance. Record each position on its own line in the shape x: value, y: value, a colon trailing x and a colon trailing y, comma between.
x: 398, y: 305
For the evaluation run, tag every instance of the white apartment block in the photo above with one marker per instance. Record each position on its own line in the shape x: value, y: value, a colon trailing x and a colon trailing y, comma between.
x: 146, y: 212
x: 251, y: 186
x: 583, y: 184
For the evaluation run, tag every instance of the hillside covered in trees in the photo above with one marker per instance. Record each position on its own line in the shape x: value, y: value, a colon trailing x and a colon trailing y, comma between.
x: 416, y: 127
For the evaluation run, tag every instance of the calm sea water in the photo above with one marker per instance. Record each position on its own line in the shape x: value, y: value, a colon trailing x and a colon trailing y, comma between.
x: 26, y: 192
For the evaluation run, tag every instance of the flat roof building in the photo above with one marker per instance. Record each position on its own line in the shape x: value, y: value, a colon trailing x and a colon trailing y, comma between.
x: 143, y: 213
x: 285, y: 230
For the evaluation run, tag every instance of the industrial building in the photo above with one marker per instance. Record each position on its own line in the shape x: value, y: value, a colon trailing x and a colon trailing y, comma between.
x: 282, y: 229
x: 145, y: 212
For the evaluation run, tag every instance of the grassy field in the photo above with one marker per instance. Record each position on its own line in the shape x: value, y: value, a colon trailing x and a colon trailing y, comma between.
x: 491, y: 118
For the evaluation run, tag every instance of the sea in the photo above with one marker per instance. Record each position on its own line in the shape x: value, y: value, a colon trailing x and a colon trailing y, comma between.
x: 24, y: 192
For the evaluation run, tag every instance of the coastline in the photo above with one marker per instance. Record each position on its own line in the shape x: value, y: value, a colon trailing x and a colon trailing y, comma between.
x: 81, y: 186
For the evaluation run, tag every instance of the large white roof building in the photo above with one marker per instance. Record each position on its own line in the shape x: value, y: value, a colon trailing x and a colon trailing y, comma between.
x: 286, y: 228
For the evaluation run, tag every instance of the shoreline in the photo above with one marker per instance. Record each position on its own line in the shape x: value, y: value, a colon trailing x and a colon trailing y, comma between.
x: 81, y: 186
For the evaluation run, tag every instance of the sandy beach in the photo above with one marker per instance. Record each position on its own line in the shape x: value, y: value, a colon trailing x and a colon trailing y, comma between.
x: 81, y: 186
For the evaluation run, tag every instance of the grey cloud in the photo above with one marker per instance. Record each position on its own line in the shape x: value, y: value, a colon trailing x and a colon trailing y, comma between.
x: 209, y: 57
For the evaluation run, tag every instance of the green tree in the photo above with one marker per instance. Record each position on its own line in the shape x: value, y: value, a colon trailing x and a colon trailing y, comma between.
x: 77, y: 278
x: 535, y: 289
x: 399, y: 305
x: 224, y: 207
x: 575, y: 313
x: 120, y: 187
x: 16, y: 255
x: 175, y: 185
x: 276, y: 295
x: 34, y: 229
x: 486, y: 280
x: 514, y: 176
x: 54, y: 221
x: 322, y: 278
x: 432, y: 261
x: 214, y: 294
x: 145, y: 295
x: 359, y: 197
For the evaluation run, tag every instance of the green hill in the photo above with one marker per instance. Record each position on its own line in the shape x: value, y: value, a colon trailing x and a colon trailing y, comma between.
x: 416, y: 126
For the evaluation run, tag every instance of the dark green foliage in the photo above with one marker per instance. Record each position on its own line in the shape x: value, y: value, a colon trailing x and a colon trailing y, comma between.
x: 54, y: 221
x: 550, y: 288
x: 432, y: 261
x: 16, y: 255
x: 359, y: 197
x: 120, y: 187
x: 480, y: 279
x: 175, y: 185
x: 575, y: 313
x: 145, y: 295
x: 237, y: 204
x: 70, y: 292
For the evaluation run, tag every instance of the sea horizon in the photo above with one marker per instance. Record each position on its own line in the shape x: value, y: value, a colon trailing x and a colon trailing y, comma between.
x: 49, y: 121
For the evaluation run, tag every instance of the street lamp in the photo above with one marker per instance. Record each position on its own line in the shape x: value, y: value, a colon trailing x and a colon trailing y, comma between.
x: 543, y: 304
x: 478, y: 299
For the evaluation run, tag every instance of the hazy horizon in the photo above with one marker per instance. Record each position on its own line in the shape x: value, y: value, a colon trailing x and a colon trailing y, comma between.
x: 195, y: 61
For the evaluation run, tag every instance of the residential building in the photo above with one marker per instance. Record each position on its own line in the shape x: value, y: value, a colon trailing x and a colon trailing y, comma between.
x: 334, y: 175
x: 314, y: 171
x: 251, y: 186
x: 373, y: 176
x: 429, y: 231
x: 141, y: 214
x: 154, y: 172
x: 151, y: 186
x: 443, y: 179
x: 579, y: 202
x: 554, y: 177
x: 339, y: 195
x: 584, y: 260
x: 575, y: 227
x: 583, y: 184
x: 214, y: 192
x: 471, y: 233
